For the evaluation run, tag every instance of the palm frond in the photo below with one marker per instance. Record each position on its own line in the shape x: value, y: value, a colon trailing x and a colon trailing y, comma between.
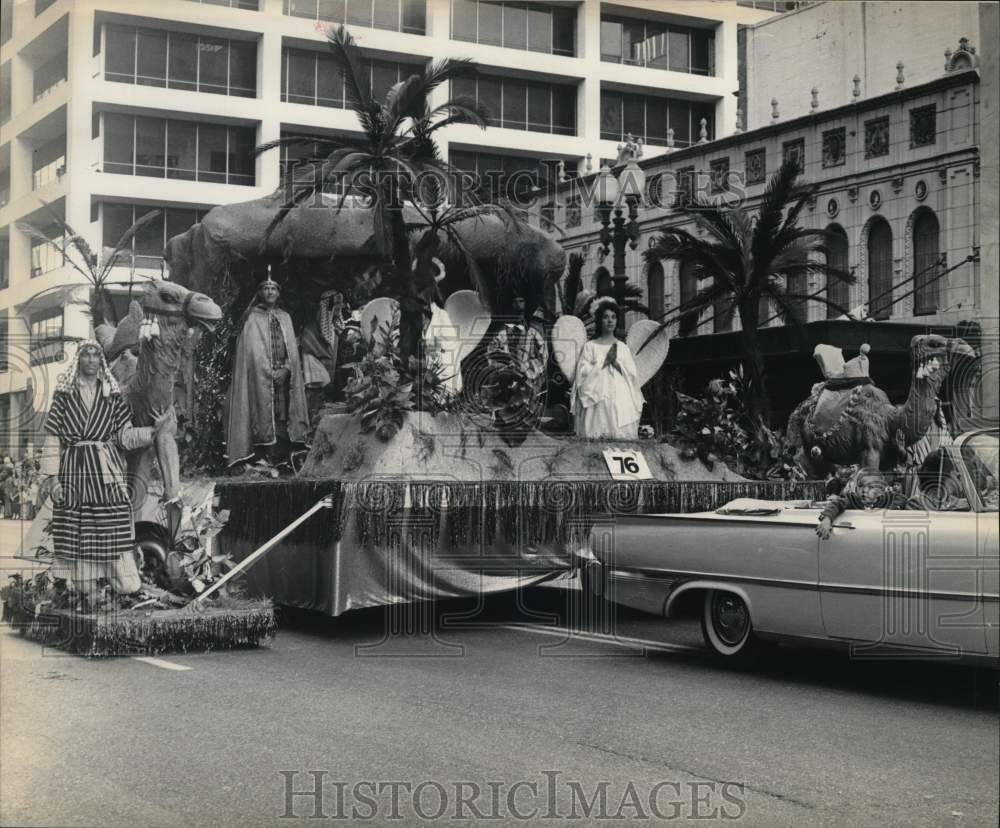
x: 347, y: 58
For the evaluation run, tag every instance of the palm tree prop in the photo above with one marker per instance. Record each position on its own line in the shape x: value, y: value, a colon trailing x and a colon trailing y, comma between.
x: 749, y: 259
x: 389, y: 162
x: 81, y: 257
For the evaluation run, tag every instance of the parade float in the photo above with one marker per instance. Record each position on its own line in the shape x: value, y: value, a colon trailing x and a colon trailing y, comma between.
x: 436, y: 494
x: 378, y: 397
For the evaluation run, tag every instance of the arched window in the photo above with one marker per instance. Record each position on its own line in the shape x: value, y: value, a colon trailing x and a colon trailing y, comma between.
x: 880, y: 270
x: 837, y: 291
x: 689, y: 289
x: 722, y: 312
x: 655, y: 290
x: 925, y: 263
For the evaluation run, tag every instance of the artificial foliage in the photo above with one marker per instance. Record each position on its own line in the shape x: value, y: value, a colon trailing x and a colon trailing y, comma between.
x: 201, y: 434
x: 384, y: 389
x: 720, y: 426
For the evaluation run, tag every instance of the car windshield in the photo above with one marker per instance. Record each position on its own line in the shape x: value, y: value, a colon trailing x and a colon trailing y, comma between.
x: 980, y: 454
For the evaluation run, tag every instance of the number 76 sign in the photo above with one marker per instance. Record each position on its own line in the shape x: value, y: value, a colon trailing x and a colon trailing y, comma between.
x: 626, y: 464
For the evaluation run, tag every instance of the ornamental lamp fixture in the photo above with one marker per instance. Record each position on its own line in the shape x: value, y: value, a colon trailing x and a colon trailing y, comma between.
x: 618, y: 231
x: 607, y: 186
x: 633, y: 181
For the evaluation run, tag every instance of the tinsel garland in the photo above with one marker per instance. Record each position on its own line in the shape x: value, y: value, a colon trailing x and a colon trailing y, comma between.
x: 118, y: 633
x: 531, y: 514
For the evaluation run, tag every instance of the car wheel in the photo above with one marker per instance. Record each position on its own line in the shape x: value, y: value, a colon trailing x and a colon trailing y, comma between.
x: 726, y: 625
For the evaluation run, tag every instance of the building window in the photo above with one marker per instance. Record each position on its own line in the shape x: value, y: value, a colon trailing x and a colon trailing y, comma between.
x: 249, y: 5
x: 6, y: 20
x: 518, y: 104
x: 772, y: 5
x: 688, y: 279
x: 161, y: 148
x: 42, y: 5
x: 4, y: 262
x: 46, y: 329
x: 5, y: 93
x: 4, y: 359
x: 722, y: 314
x: 926, y: 264
x: 506, y: 176
x: 795, y: 151
x: 877, y: 137
x: 835, y: 147
x: 656, y: 291
x: 536, y: 27
x: 313, y: 78
x: 837, y: 290
x: 923, y: 126
x: 46, y: 255
x: 48, y: 162
x: 650, y: 117
x: 657, y: 45
x: 408, y: 16
x: 177, y: 60
x: 145, y: 249
x: 48, y: 76
x: 756, y: 166
x: 880, y: 270
x: 719, y: 174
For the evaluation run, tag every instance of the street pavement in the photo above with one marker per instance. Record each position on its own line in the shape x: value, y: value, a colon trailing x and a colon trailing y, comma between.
x: 517, y: 711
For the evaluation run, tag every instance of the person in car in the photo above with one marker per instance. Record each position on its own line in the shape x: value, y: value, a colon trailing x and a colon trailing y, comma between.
x: 937, y: 487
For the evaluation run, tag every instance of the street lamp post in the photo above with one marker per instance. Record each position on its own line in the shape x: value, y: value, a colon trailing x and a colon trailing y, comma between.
x: 618, y: 231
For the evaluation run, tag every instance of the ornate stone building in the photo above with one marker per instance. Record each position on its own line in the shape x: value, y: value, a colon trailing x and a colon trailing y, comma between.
x: 897, y: 180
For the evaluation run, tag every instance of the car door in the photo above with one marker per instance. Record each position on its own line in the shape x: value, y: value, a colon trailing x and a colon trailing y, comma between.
x: 904, y: 578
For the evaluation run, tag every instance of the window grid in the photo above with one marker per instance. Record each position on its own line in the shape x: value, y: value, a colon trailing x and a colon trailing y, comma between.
x: 248, y: 5
x: 167, y: 81
x: 402, y: 70
x: 197, y: 174
x: 46, y: 331
x: 337, y: 11
x: 694, y: 112
x: 502, y: 121
x: 650, y: 31
x: 553, y: 11
x: 137, y: 211
x: 926, y: 243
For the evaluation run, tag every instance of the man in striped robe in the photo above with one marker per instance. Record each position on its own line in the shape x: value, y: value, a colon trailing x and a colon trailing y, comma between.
x: 92, y: 529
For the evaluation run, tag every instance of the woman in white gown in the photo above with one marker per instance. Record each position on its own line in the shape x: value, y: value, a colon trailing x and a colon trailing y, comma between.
x: 606, y: 400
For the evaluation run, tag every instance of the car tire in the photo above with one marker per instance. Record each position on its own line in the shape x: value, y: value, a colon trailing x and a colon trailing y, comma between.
x: 727, y: 627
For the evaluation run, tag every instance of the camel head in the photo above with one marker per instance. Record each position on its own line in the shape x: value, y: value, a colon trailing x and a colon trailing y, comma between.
x: 163, y: 298
x: 932, y: 358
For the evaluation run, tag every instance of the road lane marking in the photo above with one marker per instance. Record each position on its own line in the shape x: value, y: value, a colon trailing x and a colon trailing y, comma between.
x: 159, y: 662
x: 616, y: 640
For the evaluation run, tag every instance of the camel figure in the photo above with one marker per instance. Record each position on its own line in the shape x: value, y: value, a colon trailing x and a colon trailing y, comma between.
x: 146, y: 350
x: 848, y: 420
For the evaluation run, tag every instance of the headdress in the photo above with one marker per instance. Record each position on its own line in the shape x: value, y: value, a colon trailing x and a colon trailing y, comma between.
x: 268, y: 281
x: 66, y: 381
x: 831, y: 362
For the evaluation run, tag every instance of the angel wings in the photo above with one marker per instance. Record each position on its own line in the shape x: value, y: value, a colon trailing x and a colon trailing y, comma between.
x: 570, y: 334
x: 454, y: 331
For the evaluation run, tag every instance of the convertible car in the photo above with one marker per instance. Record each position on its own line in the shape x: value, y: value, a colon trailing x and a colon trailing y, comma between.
x: 915, y: 583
